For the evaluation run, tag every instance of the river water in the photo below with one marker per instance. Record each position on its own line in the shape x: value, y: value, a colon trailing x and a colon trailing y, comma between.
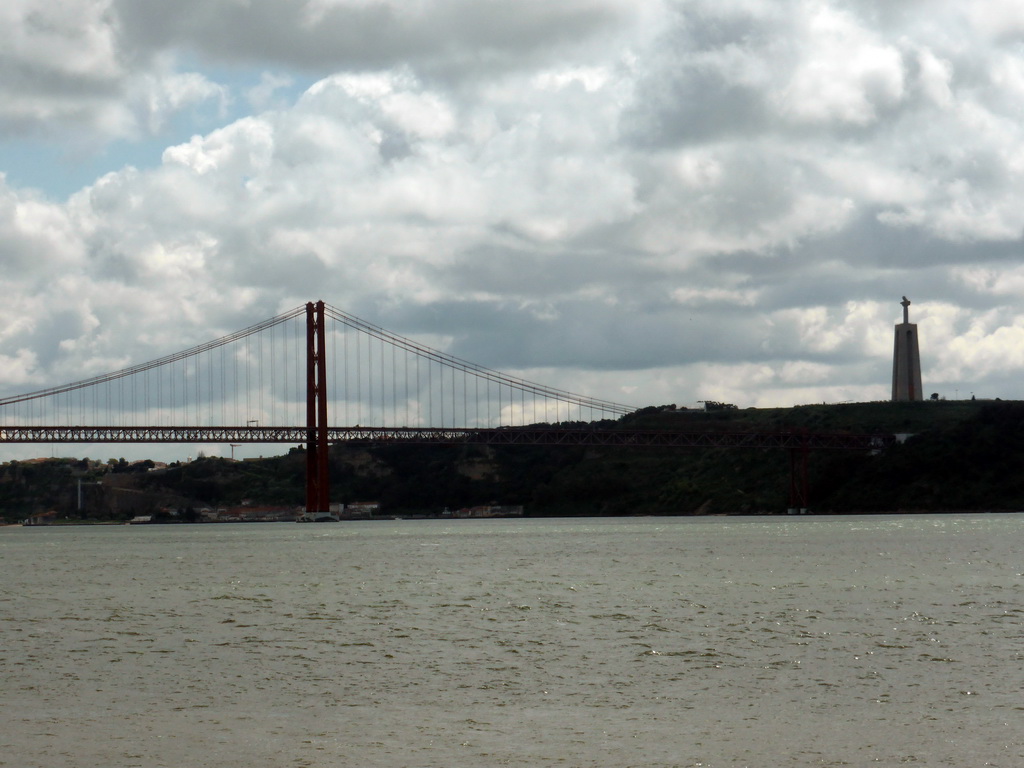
x: 655, y: 642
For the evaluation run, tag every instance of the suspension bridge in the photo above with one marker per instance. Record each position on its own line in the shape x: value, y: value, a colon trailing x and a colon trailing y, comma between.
x: 316, y: 375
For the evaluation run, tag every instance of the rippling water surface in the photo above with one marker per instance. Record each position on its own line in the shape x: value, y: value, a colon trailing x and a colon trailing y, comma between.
x: 427, y: 644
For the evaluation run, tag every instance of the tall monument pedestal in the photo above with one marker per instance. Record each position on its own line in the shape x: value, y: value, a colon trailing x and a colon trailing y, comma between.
x: 906, y: 361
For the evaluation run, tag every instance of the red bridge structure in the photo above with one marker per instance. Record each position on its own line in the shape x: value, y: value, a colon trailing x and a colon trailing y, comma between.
x: 247, y: 387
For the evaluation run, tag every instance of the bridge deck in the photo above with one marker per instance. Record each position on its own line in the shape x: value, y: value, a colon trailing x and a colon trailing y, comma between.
x: 434, y: 435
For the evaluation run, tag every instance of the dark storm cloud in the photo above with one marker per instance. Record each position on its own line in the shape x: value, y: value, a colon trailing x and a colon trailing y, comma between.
x: 703, y: 83
x: 586, y: 335
x: 700, y: 108
x: 532, y: 273
x: 331, y: 36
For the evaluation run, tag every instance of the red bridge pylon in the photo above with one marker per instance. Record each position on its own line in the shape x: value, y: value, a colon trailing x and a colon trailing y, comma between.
x: 317, y: 477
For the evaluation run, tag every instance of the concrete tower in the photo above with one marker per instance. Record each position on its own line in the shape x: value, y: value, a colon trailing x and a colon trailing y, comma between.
x: 906, y: 360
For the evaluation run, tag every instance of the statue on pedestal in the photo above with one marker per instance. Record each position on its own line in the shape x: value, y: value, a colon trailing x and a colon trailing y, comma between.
x: 906, y: 360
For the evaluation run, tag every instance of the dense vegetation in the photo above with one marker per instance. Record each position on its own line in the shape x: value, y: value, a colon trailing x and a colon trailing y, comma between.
x: 960, y: 455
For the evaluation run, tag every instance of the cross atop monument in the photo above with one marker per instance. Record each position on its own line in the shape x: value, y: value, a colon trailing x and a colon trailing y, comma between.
x: 906, y: 309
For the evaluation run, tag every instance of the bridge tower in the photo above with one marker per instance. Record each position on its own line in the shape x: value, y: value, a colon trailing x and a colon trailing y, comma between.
x: 317, y: 479
x: 906, y: 360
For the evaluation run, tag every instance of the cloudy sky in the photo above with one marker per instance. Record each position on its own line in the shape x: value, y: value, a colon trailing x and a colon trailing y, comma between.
x: 646, y: 200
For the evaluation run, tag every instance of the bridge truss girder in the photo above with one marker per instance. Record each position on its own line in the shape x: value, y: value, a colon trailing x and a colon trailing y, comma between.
x: 791, y: 440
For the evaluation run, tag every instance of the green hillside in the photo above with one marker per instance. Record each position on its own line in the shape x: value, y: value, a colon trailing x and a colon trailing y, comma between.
x: 961, y: 455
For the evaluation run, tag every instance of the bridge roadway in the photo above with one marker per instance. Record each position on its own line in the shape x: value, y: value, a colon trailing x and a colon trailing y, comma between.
x: 538, y: 435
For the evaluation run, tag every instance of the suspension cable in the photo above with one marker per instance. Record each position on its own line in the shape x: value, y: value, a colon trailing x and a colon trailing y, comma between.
x: 161, y: 361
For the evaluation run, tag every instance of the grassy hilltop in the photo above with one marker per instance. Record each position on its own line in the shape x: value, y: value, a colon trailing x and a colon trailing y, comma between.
x: 960, y: 455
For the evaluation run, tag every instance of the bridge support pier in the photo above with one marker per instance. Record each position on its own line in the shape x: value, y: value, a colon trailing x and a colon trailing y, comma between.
x: 317, y: 477
x: 799, y: 485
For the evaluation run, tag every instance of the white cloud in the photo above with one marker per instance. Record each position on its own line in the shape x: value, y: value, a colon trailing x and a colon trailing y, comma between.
x: 999, y: 19
x: 241, y: 150
x: 71, y: 39
x: 680, y: 201
x: 65, y: 73
x: 160, y: 96
x: 935, y: 77
x: 19, y: 369
x: 846, y: 75
x: 264, y: 96
x: 981, y: 352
